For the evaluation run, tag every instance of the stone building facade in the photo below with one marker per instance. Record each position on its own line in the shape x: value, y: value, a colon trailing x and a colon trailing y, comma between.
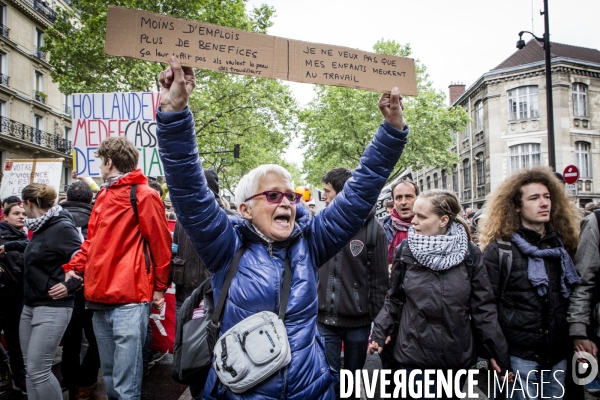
x: 508, y: 128
x: 35, y: 118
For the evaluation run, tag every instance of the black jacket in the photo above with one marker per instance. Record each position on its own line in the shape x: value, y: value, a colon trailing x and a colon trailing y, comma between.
x: 50, y: 247
x: 445, y: 315
x: 350, y: 294
x: 81, y: 214
x: 535, y: 327
x: 12, y: 263
x: 187, y: 270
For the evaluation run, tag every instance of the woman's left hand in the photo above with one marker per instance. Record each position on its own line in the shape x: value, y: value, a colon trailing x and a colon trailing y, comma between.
x: 496, y: 368
x: 58, y: 291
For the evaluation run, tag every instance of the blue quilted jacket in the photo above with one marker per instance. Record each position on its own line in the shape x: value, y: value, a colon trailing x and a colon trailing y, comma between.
x: 257, y: 285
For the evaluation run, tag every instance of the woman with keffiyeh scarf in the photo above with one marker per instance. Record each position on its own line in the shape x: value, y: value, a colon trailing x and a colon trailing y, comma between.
x: 48, y: 299
x: 441, y: 294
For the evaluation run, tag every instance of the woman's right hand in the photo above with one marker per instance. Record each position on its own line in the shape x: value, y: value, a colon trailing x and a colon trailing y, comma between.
x: 374, y: 347
x: 73, y: 275
x: 177, y: 84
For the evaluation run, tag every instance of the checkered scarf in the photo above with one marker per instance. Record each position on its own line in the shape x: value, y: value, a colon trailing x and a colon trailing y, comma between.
x: 439, y: 252
x: 34, y: 224
x: 111, y: 180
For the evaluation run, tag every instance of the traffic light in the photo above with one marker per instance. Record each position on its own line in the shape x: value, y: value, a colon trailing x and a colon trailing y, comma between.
x: 236, y: 151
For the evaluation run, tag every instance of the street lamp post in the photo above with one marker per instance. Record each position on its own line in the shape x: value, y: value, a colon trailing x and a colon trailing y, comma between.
x: 545, y: 39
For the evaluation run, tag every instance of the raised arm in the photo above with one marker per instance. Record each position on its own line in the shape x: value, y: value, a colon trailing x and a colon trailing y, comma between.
x: 338, y: 223
x: 206, y: 224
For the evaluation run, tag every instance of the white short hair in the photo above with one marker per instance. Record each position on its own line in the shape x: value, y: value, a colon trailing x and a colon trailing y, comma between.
x: 249, y: 183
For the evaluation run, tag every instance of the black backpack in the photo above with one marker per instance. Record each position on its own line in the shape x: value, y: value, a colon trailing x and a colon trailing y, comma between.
x: 195, y: 338
x: 185, y: 362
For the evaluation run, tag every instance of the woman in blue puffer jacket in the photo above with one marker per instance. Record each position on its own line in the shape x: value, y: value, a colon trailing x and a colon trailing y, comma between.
x: 271, y: 228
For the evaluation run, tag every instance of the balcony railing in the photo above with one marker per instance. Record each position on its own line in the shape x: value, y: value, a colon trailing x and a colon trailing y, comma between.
x: 67, y: 109
x: 43, y: 9
x: 39, y: 96
x: 4, y: 31
x: 39, y: 54
x: 29, y: 134
x: 4, y: 79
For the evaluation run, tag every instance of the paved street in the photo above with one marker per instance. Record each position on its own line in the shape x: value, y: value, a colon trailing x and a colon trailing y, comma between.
x: 158, y: 385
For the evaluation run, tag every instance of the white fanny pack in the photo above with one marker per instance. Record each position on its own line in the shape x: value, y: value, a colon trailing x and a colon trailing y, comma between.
x: 256, y: 347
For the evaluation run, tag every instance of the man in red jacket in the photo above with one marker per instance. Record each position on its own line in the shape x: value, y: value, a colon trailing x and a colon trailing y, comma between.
x: 125, y: 265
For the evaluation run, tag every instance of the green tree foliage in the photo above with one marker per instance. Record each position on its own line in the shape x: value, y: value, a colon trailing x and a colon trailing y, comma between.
x: 340, y: 122
x: 258, y: 114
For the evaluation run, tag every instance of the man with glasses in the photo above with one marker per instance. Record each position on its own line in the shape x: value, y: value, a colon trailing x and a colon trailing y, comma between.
x: 352, y: 286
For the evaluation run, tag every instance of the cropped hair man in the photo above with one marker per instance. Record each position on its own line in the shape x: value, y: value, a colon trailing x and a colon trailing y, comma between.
x: 125, y: 265
x: 352, y: 285
x: 404, y: 194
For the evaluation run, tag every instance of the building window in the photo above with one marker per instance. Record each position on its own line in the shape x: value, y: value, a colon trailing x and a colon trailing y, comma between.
x: 3, y: 28
x: 38, y: 124
x: 38, y: 83
x: 2, y: 108
x: 455, y: 178
x: 421, y: 184
x: 67, y: 133
x: 466, y: 174
x: 524, y: 156
x: 479, y: 116
x: 67, y: 101
x: 3, y: 69
x: 444, y: 179
x: 436, y: 182
x: 428, y: 183
x: 467, y: 131
x: 38, y: 43
x: 523, y: 103
x: 582, y: 159
x: 480, y: 169
x: 579, y: 100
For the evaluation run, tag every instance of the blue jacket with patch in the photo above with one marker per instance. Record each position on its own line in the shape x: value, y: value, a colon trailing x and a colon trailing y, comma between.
x: 257, y: 284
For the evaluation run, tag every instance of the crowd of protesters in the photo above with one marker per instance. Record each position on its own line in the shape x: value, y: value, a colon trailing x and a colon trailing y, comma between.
x: 429, y: 286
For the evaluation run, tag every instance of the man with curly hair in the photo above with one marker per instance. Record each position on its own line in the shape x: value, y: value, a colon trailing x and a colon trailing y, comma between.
x: 528, y: 238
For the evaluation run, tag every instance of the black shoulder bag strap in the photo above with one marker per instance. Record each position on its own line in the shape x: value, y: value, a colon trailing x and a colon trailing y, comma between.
x: 133, y: 200
x: 233, y: 268
x: 504, y: 252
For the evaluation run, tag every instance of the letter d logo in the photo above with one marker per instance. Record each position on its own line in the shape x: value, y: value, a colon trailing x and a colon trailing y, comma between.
x: 581, y: 371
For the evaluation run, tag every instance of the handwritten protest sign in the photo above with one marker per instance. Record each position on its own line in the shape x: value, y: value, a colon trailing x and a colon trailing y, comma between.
x: 154, y: 37
x: 97, y: 116
x: 21, y: 172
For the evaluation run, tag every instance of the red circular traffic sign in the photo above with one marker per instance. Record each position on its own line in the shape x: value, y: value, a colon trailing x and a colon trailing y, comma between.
x: 571, y: 174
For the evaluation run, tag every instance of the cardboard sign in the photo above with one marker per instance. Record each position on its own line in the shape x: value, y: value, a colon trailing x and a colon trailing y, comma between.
x: 22, y: 172
x: 154, y: 37
x: 97, y: 116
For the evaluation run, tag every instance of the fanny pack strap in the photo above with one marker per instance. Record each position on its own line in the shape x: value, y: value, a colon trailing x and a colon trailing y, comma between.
x: 287, y: 286
x: 233, y: 268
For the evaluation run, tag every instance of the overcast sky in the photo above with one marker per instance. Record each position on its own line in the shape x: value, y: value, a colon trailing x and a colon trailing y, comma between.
x: 456, y: 40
